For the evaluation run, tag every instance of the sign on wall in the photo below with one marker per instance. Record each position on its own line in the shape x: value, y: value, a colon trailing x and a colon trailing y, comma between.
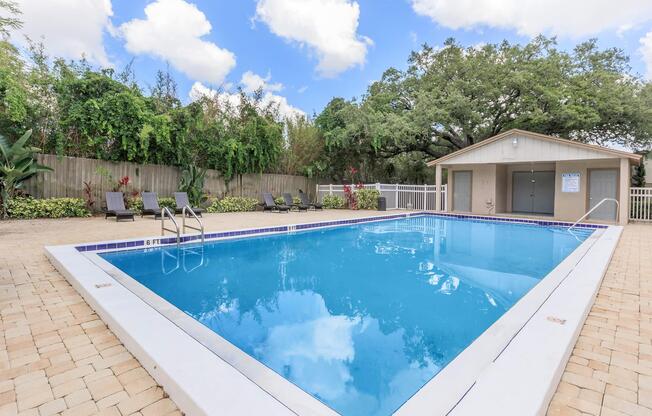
x: 570, y: 182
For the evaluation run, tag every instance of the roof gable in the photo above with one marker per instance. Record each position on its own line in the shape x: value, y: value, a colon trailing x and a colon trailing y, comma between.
x: 518, y: 146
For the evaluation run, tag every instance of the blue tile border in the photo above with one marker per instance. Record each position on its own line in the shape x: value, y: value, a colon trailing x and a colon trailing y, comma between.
x: 323, y: 224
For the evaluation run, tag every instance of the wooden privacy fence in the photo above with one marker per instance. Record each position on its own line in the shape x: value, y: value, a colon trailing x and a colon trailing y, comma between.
x: 70, y: 173
x: 640, y: 204
x: 398, y: 196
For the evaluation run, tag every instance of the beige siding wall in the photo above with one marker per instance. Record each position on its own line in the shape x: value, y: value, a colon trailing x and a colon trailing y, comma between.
x: 493, y: 183
x: 527, y: 149
x: 571, y: 206
x: 483, y: 186
x: 501, y: 188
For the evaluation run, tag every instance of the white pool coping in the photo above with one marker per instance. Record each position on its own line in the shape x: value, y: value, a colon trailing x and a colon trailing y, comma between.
x: 513, y: 368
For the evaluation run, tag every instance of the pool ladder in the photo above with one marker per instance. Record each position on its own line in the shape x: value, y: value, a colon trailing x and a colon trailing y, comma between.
x: 165, y: 212
x: 596, y: 207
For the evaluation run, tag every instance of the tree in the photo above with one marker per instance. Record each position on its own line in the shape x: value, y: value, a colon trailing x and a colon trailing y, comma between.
x: 14, y: 96
x: 639, y: 176
x: 8, y: 20
x: 453, y: 97
x: 304, y: 147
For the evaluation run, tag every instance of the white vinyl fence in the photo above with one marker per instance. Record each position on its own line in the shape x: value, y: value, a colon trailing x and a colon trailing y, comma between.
x: 397, y: 196
x: 640, y: 204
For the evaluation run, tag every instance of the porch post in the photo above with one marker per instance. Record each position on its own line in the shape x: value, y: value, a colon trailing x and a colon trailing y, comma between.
x: 437, y: 187
x: 625, y: 182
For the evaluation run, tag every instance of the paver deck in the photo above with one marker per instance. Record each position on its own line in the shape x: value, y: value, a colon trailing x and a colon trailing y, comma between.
x: 610, y: 370
x: 58, y: 357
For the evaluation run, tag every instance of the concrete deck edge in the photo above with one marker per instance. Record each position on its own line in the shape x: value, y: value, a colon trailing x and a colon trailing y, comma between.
x: 542, y: 348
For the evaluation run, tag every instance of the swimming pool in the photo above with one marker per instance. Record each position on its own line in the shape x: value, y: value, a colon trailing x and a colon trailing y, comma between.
x: 361, y: 316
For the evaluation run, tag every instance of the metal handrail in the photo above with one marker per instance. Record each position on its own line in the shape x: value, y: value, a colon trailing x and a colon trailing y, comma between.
x: 183, y: 222
x: 594, y: 208
x: 165, y: 211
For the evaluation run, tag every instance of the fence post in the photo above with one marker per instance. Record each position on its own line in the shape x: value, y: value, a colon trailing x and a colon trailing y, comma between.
x: 425, y: 197
x: 330, y: 189
x: 396, y: 199
x: 317, y: 196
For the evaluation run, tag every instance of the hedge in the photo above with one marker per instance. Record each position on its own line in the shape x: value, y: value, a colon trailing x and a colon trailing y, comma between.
x: 367, y: 198
x: 233, y: 204
x: 27, y: 208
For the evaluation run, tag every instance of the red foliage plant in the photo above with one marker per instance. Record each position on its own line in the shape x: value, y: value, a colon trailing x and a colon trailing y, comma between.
x: 349, y: 195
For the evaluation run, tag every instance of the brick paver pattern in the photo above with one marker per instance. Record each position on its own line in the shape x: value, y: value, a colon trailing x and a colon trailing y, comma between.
x: 610, y: 370
x: 58, y: 357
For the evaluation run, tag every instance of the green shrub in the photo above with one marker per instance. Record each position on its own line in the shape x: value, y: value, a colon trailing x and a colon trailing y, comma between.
x: 333, y: 202
x: 26, y: 208
x: 367, y: 198
x: 136, y: 204
x: 233, y: 204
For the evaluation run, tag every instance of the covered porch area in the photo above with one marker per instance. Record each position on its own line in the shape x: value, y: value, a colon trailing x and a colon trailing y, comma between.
x: 527, y: 174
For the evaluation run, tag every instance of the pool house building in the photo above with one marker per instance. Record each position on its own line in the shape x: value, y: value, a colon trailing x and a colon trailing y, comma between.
x: 525, y: 173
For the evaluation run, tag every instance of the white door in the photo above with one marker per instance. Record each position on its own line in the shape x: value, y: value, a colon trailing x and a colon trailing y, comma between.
x: 603, y: 183
x: 462, y: 191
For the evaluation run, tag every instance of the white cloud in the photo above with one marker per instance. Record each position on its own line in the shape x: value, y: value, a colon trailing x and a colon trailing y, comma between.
x: 530, y: 17
x: 646, y: 51
x: 327, y: 27
x: 252, y: 82
x: 173, y: 30
x: 285, y: 109
x: 68, y: 28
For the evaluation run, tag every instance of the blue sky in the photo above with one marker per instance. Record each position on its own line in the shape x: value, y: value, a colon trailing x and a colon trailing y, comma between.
x: 304, y: 52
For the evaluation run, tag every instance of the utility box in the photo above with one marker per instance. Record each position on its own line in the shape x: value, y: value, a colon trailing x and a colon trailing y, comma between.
x: 382, y: 203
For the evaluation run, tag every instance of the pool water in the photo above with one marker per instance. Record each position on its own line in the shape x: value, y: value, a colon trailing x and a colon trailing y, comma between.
x: 361, y: 316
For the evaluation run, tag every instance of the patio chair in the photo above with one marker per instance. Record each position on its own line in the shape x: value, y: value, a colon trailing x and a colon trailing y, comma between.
x: 150, y: 205
x: 306, y: 201
x: 271, y: 206
x: 181, y: 199
x: 115, y: 207
x: 290, y: 202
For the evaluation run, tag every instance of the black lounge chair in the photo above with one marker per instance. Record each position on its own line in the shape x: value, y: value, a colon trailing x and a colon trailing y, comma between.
x: 115, y: 207
x: 181, y: 199
x: 271, y: 206
x: 306, y: 201
x: 290, y: 202
x: 150, y: 205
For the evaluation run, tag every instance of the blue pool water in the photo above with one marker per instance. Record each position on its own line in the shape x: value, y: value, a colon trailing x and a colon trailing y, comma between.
x: 360, y: 316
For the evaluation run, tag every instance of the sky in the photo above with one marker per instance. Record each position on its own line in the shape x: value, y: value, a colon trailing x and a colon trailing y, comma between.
x: 302, y: 53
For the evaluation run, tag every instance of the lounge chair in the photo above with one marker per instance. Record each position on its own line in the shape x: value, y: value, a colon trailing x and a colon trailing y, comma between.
x: 306, y: 201
x: 150, y: 205
x: 290, y: 202
x: 271, y: 206
x: 115, y: 207
x: 181, y: 199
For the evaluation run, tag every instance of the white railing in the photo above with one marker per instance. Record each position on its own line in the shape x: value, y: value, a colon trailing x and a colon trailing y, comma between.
x: 398, y: 196
x: 640, y: 204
